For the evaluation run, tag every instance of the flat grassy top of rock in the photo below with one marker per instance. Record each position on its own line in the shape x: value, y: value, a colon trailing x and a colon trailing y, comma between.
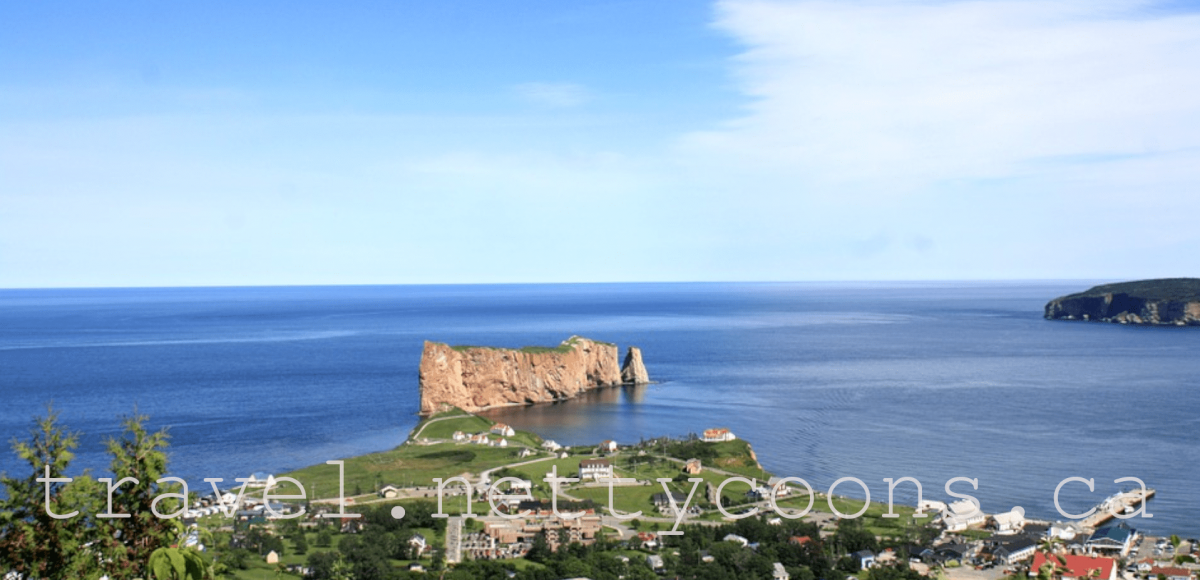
x: 1179, y: 289
x: 563, y: 347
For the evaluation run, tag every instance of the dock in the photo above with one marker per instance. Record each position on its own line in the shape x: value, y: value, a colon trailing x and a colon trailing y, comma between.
x: 1123, y: 502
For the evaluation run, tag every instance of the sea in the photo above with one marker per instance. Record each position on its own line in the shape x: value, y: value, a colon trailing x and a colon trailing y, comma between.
x: 826, y: 380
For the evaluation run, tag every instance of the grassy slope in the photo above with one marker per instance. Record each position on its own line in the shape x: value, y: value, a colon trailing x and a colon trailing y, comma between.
x: 416, y: 464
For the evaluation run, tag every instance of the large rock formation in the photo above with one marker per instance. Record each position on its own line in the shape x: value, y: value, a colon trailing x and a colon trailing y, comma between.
x: 1172, y: 301
x: 633, y: 371
x: 474, y: 378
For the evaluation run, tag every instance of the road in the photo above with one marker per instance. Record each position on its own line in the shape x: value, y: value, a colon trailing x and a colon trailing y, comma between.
x: 454, y: 540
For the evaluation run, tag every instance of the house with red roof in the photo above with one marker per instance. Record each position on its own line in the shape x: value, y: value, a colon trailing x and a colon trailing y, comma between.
x: 1079, y: 567
x: 1171, y: 572
x: 717, y: 435
x: 649, y: 540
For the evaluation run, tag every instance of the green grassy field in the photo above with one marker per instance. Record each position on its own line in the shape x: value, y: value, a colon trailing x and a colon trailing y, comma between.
x: 404, y: 466
x: 445, y: 428
x: 873, y: 519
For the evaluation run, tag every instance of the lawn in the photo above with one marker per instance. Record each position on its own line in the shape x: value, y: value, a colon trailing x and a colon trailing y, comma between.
x: 733, y: 456
x: 445, y: 429
x: 873, y: 519
x: 408, y: 465
x: 627, y: 499
x: 470, y: 424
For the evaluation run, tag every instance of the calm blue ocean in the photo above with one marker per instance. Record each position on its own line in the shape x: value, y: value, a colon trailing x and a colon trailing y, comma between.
x: 930, y: 380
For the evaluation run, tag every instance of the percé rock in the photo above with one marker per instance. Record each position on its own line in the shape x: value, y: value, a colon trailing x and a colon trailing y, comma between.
x: 1164, y: 302
x: 633, y: 371
x: 474, y: 378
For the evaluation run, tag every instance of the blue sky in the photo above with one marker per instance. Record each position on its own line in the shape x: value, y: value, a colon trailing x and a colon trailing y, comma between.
x: 301, y: 143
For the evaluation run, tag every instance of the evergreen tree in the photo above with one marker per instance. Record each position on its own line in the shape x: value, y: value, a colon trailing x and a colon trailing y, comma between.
x: 142, y: 456
x: 32, y: 541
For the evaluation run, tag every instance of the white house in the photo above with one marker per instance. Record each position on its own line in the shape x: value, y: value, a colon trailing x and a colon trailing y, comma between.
x: 418, y: 542
x: 1009, y: 522
x: 717, y: 435
x: 779, y: 572
x: 1065, y: 531
x: 459, y: 436
x: 784, y: 490
x: 608, y: 446
x: 503, y: 430
x: 551, y: 445
x: 389, y: 491
x: 865, y: 558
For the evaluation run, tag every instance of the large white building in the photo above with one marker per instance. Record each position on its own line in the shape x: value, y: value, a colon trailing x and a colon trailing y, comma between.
x: 961, y: 515
x: 595, y: 469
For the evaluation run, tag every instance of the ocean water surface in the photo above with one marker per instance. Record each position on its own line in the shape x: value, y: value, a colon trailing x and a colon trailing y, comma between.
x: 928, y: 380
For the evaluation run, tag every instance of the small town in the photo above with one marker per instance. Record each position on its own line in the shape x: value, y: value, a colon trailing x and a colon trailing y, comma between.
x: 621, y: 502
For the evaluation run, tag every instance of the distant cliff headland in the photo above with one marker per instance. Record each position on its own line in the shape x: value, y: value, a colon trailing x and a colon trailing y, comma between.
x: 474, y: 378
x: 1165, y: 302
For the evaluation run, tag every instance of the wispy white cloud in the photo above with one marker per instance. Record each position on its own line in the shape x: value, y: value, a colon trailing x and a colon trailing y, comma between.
x: 995, y: 133
x: 914, y: 92
x: 553, y: 94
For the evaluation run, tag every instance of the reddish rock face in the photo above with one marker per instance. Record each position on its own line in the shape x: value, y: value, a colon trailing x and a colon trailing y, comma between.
x: 476, y: 378
x: 633, y: 371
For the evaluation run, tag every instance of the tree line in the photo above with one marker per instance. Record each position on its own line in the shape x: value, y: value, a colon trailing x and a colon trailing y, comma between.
x: 122, y: 540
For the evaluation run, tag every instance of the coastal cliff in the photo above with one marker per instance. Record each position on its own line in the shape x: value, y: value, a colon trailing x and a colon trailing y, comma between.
x: 1165, y: 302
x: 474, y: 378
x: 633, y: 371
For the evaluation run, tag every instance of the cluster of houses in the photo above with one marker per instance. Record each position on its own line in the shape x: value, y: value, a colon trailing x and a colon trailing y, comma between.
x: 1088, y: 553
x: 499, y: 430
x: 251, y: 509
x: 763, y: 492
x: 1085, y: 555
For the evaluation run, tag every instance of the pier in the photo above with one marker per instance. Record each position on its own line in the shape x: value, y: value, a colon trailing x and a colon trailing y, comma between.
x: 1125, y: 501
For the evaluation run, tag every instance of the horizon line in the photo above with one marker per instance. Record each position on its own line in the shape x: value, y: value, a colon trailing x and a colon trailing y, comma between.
x: 586, y: 283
